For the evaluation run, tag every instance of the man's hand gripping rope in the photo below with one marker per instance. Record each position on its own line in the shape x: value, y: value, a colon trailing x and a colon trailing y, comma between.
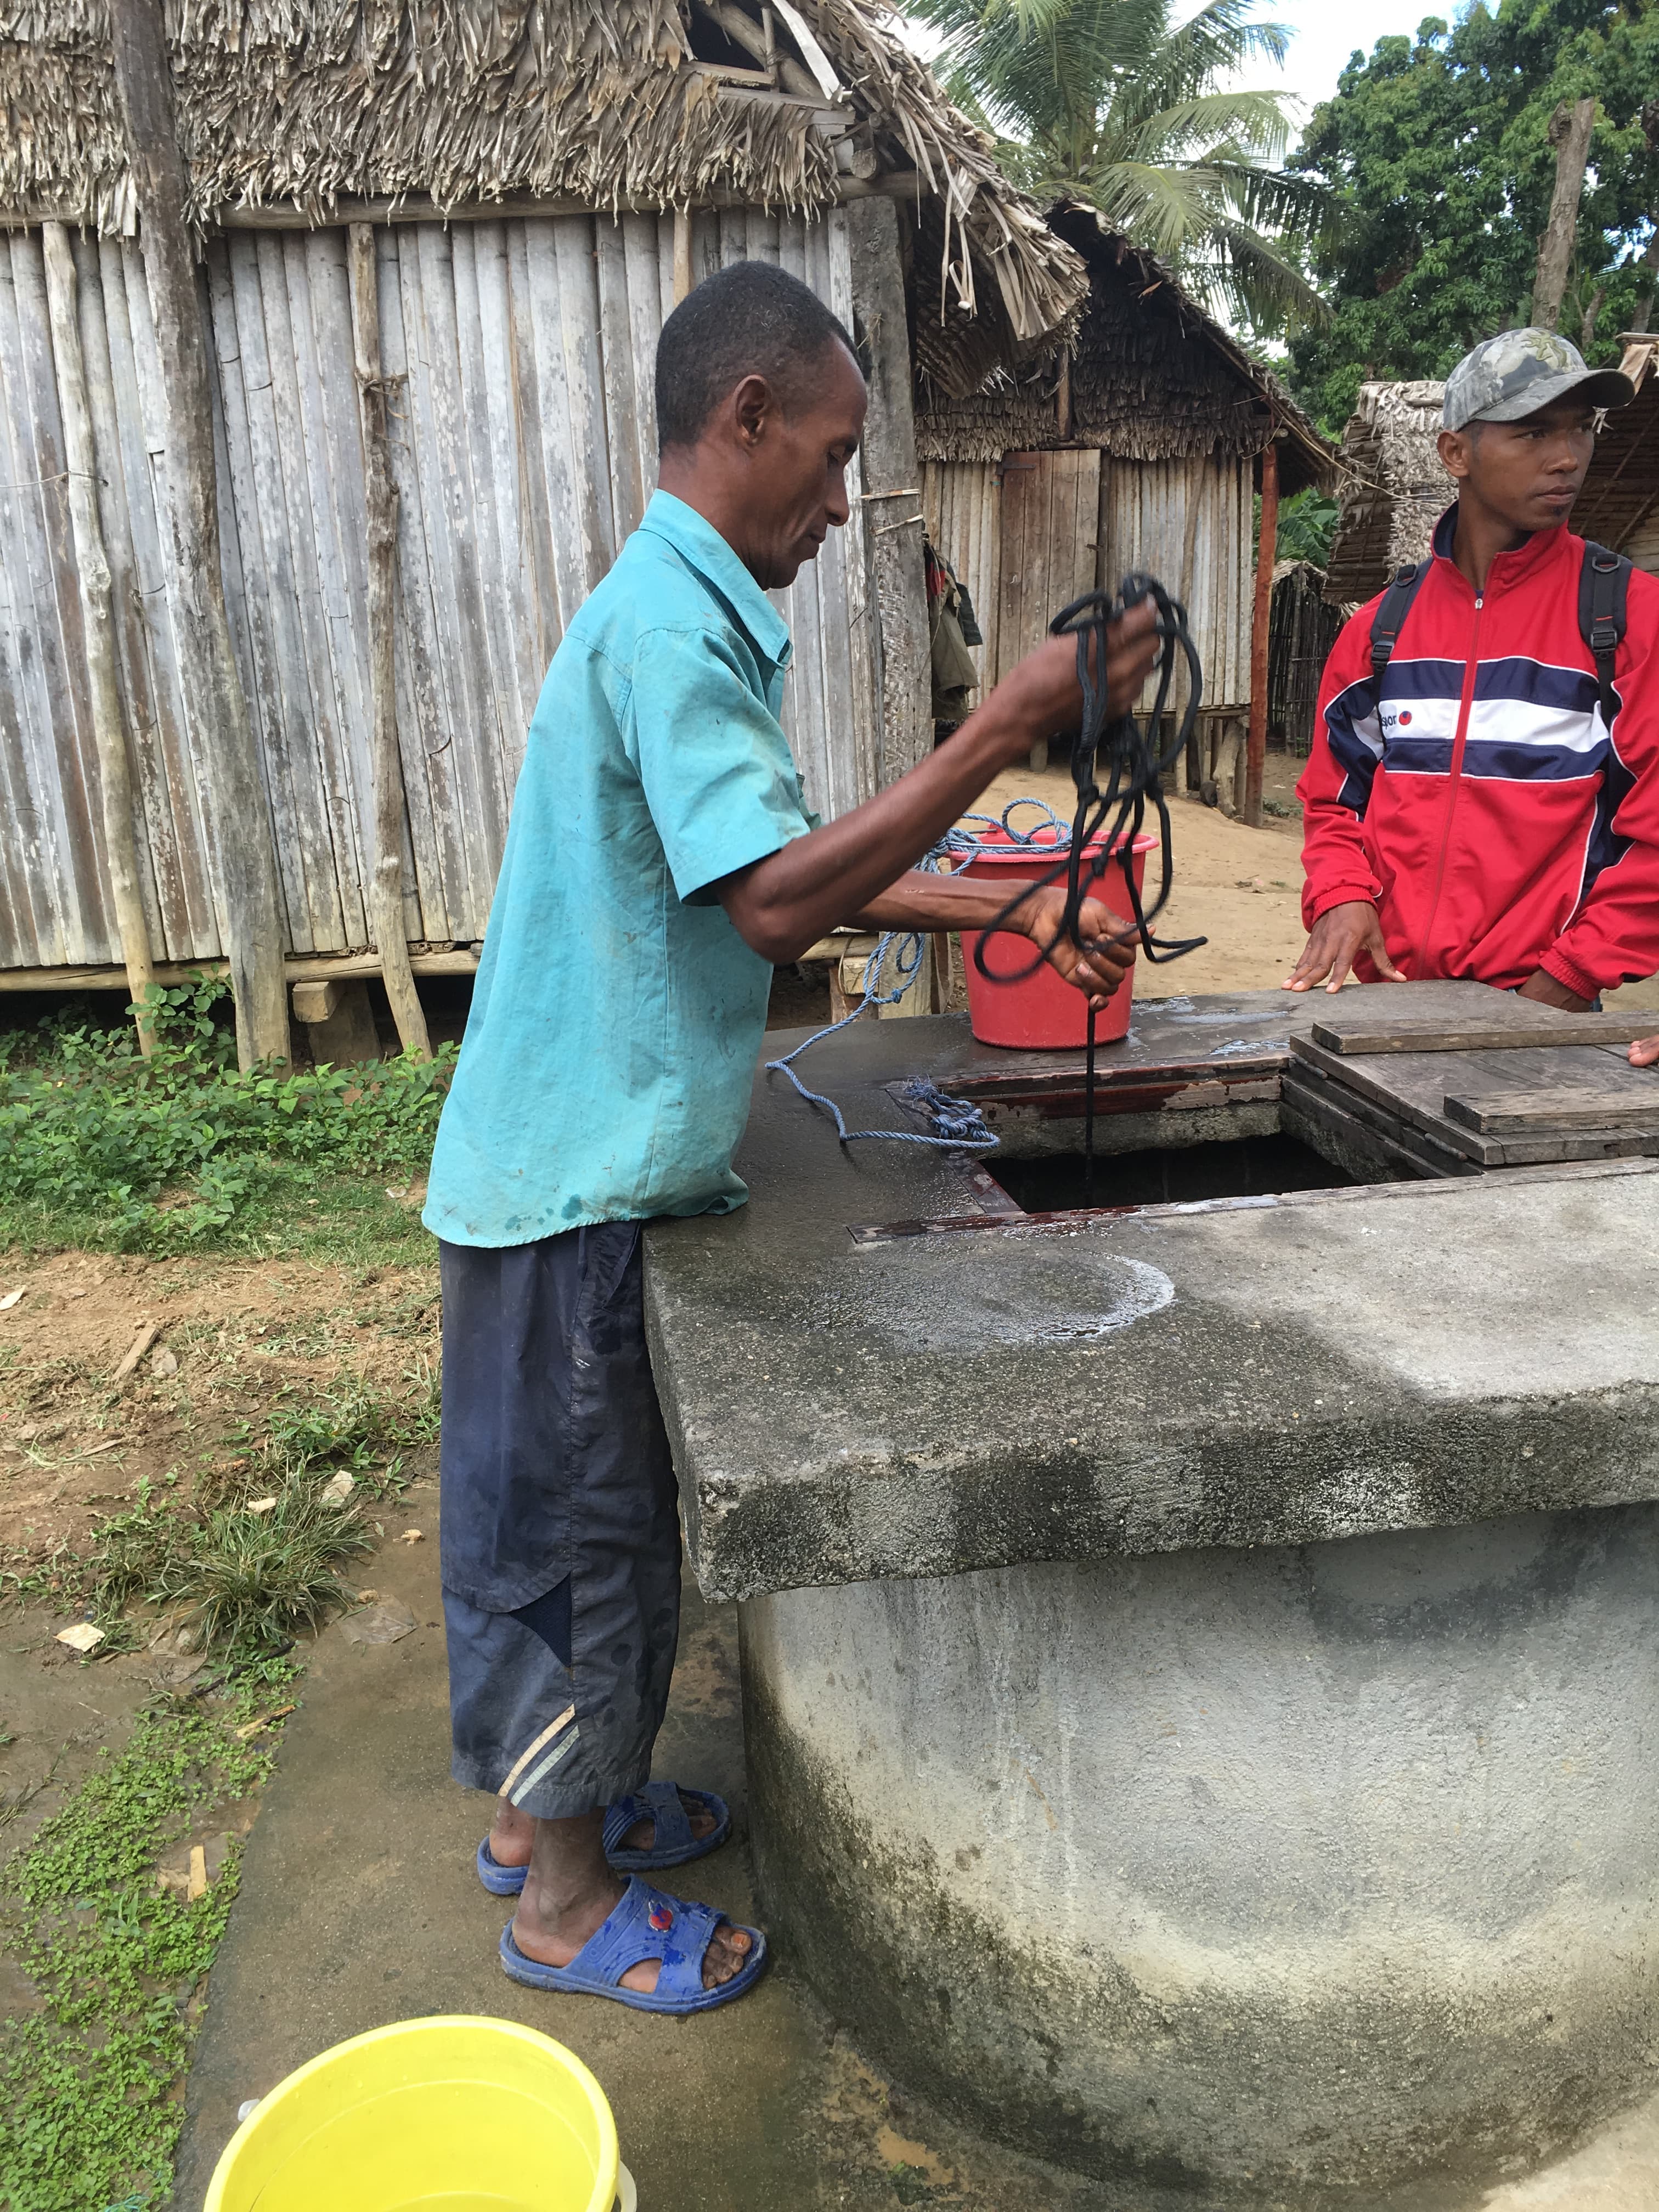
x: 1135, y: 761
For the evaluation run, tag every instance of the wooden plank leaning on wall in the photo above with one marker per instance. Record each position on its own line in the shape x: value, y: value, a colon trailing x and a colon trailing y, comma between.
x: 250, y: 917
x: 385, y: 895
x: 98, y: 620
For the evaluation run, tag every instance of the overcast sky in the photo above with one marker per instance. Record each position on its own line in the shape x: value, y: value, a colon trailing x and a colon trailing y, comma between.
x: 1326, y: 31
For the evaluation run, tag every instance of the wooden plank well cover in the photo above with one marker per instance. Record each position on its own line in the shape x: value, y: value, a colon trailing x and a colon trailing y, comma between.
x: 1442, y: 1016
x: 1505, y: 1108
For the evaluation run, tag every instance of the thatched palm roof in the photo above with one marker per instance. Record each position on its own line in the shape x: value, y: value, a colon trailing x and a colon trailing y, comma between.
x: 611, y: 103
x: 1152, y: 376
x: 1394, y: 489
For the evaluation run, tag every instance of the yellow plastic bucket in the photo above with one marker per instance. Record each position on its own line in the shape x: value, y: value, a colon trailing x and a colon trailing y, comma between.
x: 454, y: 2114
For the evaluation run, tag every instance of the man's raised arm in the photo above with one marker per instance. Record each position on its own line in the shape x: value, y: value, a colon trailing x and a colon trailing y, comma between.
x: 856, y: 869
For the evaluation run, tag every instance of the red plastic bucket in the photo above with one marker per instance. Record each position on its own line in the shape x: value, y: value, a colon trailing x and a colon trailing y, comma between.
x: 1041, y: 1010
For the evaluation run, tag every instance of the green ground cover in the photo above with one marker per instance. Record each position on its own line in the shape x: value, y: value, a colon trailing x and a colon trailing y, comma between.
x: 87, y: 2113
x: 175, y: 1156
x: 102, y: 1148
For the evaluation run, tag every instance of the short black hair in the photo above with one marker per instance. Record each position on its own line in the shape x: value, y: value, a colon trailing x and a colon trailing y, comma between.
x: 751, y: 319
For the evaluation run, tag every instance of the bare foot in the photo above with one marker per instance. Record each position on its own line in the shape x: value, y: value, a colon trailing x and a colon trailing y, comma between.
x: 511, y: 1835
x: 569, y: 1894
x: 642, y: 1836
x: 511, y: 1832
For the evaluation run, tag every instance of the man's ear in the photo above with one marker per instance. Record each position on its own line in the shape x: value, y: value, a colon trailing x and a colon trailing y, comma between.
x: 1456, y: 451
x: 754, y: 404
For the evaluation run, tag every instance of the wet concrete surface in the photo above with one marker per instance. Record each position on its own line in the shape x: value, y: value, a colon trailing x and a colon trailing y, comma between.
x: 359, y: 1905
x: 1352, y: 1361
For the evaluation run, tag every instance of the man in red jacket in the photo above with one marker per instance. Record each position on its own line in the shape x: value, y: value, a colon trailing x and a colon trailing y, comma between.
x: 1480, y: 818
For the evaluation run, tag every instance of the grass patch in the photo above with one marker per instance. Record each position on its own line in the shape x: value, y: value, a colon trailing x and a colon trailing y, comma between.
x: 244, y: 1583
x: 254, y: 1581
x: 101, y: 1148
x: 247, y: 1582
x: 351, y: 1426
x: 87, y: 2113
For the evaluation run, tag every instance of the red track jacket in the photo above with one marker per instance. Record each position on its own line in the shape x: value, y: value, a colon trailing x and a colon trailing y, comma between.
x: 1482, y: 804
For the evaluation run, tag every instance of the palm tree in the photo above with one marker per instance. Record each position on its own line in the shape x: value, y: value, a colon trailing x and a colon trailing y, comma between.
x: 1110, y: 102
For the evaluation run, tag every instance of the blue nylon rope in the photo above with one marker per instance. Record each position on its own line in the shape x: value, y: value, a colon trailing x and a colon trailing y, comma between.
x: 957, y: 1124
x: 962, y: 1119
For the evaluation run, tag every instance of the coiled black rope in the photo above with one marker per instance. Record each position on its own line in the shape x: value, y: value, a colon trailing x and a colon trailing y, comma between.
x: 1132, y: 757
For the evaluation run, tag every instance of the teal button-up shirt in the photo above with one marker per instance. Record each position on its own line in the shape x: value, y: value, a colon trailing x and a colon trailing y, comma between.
x: 617, y: 1014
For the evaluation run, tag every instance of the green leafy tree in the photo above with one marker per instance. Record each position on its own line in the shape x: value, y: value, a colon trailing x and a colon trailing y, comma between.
x: 1115, y: 102
x: 1307, y: 527
x: 1437, y: 150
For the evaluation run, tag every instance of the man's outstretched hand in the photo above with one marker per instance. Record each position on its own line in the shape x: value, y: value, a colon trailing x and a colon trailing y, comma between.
x: 1644, y: 1053
x: 1102, y: 962
x: 1335, y: 942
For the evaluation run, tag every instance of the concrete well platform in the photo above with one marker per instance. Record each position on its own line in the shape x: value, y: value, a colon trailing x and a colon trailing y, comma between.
x: 1199, y: 1663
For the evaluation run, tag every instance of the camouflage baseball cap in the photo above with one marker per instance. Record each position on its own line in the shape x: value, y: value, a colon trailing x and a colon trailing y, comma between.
x: 1518, y: 372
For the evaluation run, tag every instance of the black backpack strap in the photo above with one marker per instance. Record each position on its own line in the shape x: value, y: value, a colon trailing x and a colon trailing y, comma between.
x: 1390, y: 616
x: 1603, y: 590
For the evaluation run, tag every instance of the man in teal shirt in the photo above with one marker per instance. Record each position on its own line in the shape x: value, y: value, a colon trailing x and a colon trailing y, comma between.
x: 661, y: 858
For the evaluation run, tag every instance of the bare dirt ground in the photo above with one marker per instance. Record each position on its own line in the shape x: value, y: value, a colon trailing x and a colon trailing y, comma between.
x: 235, y: 1340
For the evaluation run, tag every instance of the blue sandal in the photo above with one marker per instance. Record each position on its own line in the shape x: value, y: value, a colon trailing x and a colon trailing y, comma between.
x: 646, y: 1924
x: 675, y: 1844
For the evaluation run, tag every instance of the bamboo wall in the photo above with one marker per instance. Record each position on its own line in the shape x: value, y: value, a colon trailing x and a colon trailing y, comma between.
x: 1301, y: 632
x: 524, y: 450
x: 1189, y: 521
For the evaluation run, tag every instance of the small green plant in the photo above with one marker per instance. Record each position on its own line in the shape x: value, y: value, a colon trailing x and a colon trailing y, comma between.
x: 910, y: 2184
x: 88, y: 2116
x: 104, y: 1148
x: 246, y: 1584
x: 129, y: 1551
x: 251, y: 1581
x: 350, y: 1425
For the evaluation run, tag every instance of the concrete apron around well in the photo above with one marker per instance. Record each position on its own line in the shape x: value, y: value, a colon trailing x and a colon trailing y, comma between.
x: 1201, y: 1669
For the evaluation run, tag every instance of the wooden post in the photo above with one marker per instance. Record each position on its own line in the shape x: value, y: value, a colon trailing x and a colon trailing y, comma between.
x: 1256, y: 754
x: 682, y: 253
x: 893, y: 523
x: 1571, y: 131
x: 1195, y: 468
x: 251, y: 916
x: 385, y: 892
x: 109, y: 731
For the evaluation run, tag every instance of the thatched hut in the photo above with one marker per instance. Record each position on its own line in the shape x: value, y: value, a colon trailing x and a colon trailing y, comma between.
x: 443, y: 238
x: 1395, y: 488
x: 1141, y: 446
x: 1620, y: 503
